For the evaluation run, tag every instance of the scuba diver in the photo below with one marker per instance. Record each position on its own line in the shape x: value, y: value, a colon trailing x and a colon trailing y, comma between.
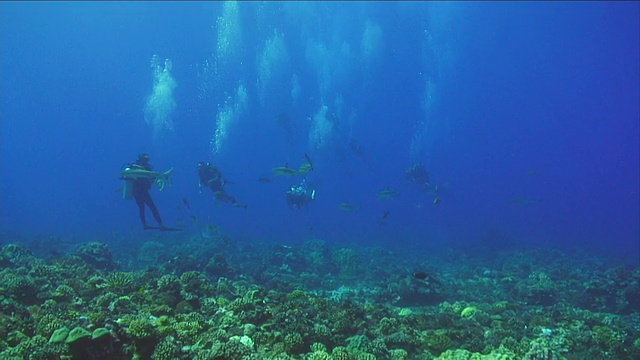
x: 419, y: 175
x: 210, y: 176
x: 299, y: 196
x: 140, y: 176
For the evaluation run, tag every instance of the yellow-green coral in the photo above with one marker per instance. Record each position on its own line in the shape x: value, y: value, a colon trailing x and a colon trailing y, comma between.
x: 292, y: 340
x: 48, y: 324
x: 468, y: 312
x: 119, y: 280
x: 166, y: 350
x: 340, y: 353
x: 76, y: 334
x: 63, y: 292
x: 295, y: 294
x: 140, y: 328
x: 388, y: 325
x: 607, y: 338
x: 316, y: 347
x: 437, y: 340
x: 186, y: 329
x: 462, y: 354
x: 60, y: 335
x: 398, y: 354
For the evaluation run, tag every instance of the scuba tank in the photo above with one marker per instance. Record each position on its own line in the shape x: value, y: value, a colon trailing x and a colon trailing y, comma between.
x: 127, y: 187
x: 127, y: 190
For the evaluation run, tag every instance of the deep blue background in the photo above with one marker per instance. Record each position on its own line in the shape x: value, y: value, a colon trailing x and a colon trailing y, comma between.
x: 532, y: 131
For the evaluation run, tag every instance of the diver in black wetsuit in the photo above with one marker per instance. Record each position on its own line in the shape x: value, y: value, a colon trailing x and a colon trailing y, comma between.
x: 141, y: 192
x: 210, y: 176
x: 299, y: 195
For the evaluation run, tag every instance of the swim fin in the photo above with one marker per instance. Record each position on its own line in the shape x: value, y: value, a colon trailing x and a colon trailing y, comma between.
x: 162, y: 228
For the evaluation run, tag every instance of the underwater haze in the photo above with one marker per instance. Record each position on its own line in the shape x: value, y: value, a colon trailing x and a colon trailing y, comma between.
x: 525, y: 115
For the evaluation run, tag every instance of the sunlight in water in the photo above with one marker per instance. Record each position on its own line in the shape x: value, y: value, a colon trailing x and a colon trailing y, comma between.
x: 160, y: 104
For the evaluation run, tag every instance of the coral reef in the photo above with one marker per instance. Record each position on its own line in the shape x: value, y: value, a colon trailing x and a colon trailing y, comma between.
x: 220, y: 300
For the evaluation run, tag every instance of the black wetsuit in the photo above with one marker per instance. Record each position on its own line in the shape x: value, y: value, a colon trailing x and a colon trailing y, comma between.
x: 211, y: 177
x: 298, y: 196
x: 141, y: 194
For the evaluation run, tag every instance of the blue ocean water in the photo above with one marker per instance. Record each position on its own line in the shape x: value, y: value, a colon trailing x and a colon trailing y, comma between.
x: 526, y: 116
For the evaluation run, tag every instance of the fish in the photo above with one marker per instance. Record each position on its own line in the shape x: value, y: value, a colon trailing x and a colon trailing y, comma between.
x: 224, y: 197
x: 240, y: 205
x: 306, y: 156
x: 194, y: 219
x: 348, y: 207
x: 387, y: 194
x: 436, y: 200
x: 284, y: 170
x: 385, y: 214
x: 264, y: 180
x: 185, y: 201
x: 305, y: 168
x: 420, y: 275
x: 523, y: 201
x: 135, y: 174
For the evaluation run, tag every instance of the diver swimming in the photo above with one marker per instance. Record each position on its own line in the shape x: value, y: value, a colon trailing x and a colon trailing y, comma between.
x: 211, y: 177
x: 299, y: 195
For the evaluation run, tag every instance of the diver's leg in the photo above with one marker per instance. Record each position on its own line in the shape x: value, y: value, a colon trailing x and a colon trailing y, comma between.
x: 140, y: 203
x: 154, y: 209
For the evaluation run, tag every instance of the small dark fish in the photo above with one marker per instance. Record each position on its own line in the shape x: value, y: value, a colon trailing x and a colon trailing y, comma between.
x: 224, y: 197
x: 387, y: 194
x: 240, y: 205
x: 348, y: 207
x: 194, y: 219
x: 385, y: 214
x: 264, y: 180
x: 185, y: 201
x: 420, y: 275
